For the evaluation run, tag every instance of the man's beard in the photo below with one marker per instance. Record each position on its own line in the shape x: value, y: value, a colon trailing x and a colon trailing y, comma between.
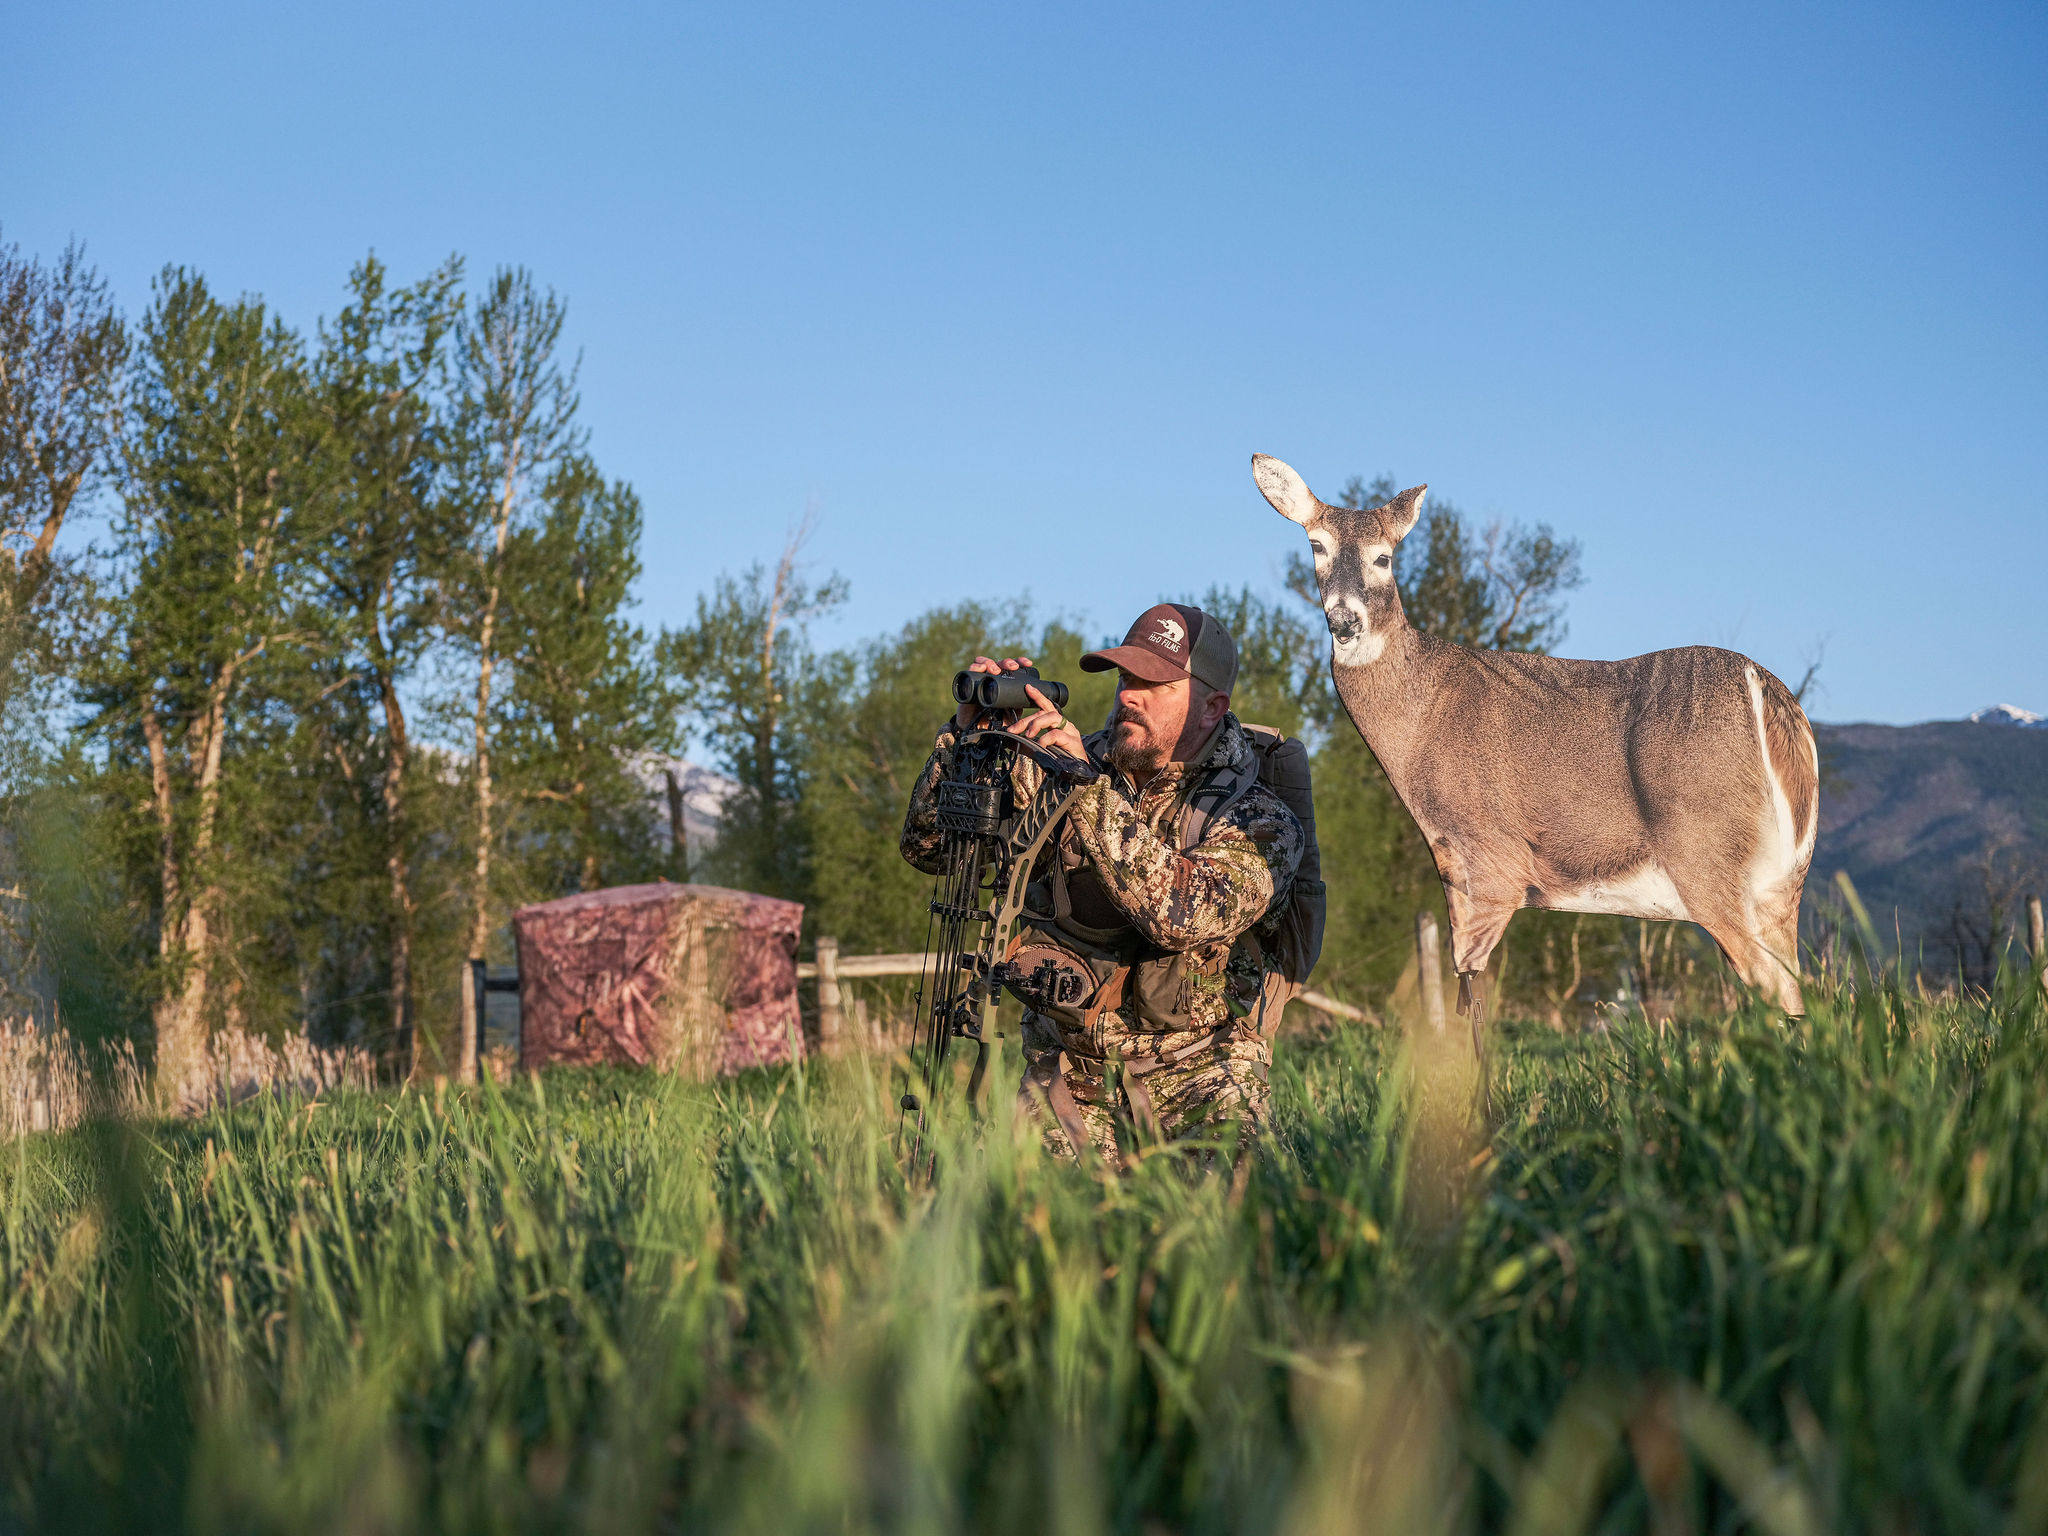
x: 1132, y: 756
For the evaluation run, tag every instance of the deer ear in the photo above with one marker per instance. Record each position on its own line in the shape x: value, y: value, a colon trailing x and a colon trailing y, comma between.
x: 1288, y: 492
x: 1398, y: 516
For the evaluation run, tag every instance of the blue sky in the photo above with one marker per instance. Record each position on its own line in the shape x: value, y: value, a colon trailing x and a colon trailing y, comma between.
x: 1753, y: 301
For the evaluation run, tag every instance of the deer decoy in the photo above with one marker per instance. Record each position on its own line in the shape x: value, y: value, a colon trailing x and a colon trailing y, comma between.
x: 1681, y: 785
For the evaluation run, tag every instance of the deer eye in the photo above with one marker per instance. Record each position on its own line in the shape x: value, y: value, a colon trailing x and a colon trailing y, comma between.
x: 1317, y: 548
x: 1384, y: 561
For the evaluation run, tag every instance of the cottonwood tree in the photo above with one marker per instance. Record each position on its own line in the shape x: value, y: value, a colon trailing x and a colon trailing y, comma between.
x: 514, y: 423
x: 220, y: 443
x: 386, y: 537
x: 584, y: 701
x: 63, y: 350
x: 742, y: 670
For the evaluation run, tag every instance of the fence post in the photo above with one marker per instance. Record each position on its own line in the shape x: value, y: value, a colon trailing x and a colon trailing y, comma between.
x: 831, y: 1007
x: 1429, y: 974
x: 2037, y: 941
x: 469, y: 1066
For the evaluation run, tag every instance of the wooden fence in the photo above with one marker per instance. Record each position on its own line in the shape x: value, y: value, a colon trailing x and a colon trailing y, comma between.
x: 831, y: 968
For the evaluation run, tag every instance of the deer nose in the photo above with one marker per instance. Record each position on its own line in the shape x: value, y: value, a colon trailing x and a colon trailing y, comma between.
x: 1344, y: 621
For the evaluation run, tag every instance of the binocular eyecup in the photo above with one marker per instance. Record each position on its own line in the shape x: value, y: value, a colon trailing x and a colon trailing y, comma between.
x: 1005, y: 690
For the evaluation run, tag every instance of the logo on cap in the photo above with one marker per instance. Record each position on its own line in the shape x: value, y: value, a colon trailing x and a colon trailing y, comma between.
x: 1169, y: 634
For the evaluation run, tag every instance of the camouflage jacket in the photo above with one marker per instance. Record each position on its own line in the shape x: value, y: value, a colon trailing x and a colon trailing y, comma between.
x: 1204, y: 902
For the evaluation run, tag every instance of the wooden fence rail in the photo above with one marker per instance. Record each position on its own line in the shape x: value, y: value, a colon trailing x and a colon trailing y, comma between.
x: 831, y: 968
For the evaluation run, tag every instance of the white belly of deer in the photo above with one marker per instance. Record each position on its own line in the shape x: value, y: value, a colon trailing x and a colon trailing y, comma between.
x: 1646, y: 892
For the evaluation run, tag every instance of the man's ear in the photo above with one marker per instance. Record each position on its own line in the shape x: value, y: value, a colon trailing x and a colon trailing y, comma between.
x: 1288, y: 492
x: 1214, y: 708
x: 1397, y: 517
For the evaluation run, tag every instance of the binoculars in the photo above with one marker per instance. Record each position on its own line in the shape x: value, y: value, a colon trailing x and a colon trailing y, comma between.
x: 1005, y: 690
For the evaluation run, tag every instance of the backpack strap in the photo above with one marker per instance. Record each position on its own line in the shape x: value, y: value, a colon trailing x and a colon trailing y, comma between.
x: 1224, y: 787
x: 1219, y: 792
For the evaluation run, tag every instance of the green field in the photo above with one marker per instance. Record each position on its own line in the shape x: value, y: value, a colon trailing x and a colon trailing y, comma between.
x: 1726, y: 1276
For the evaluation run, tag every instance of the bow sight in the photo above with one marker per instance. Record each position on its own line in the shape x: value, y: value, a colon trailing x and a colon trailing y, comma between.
x: 990, y: 842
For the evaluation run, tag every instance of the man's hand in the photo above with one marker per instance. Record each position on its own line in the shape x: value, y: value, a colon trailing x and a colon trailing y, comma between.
x: 1049, y: 728
x: 969, y: 714
x: 1044, y: 725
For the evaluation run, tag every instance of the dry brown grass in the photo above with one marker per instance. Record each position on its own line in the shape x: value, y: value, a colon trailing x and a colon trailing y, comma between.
x: 238, y: 1066
x: 47, y: 1082
x: 50, y: 1082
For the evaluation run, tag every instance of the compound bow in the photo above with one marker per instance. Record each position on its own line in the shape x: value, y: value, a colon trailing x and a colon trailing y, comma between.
x: 989, y: 845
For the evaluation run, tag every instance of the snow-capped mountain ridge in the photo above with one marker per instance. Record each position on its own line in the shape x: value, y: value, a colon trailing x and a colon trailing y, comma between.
x: 2009, y: 714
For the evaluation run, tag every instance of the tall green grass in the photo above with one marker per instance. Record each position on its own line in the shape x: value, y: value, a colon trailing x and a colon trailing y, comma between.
x: 1731, y: 1275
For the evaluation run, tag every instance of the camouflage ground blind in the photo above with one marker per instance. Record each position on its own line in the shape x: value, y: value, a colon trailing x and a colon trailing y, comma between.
x: 694, y: 978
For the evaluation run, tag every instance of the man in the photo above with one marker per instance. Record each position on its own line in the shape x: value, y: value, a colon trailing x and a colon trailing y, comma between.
x: 1149, y: 1004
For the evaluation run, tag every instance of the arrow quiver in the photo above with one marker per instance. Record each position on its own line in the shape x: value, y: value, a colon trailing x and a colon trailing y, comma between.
x: 990, y: 842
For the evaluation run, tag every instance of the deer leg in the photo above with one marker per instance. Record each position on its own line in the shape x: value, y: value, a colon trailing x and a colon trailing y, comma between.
x: 1472, y: 1005
x: 1771, y: 975
x: 1756, y: 923
x: 1777, y: 940
x: 1476, y: 929
x: 1790, y: 998
x: 1755, y: 958
x: 1774, y: 969
x: 1478, y: 919
x: 1473, y: 937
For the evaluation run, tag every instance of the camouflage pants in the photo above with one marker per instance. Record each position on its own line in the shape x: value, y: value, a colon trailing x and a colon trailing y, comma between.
x: 1215, y: 1084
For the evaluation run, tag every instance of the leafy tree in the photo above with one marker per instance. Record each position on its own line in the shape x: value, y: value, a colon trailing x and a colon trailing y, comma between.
x: 221, y: 444
x: 63, y: 349
x: 63, y: 353
x: 314, y: 937
x: 586, y: 703
x: 514, y: 423
x: 89, y: 939
x: 379, y: 553
x: 746, y: 672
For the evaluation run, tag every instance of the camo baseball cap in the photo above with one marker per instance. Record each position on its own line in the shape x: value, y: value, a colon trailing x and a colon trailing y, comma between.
x: 1169, y: 641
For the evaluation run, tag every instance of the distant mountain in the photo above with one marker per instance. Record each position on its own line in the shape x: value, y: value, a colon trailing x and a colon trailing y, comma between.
x: 1943, y: 827
x: 2010, y: 714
